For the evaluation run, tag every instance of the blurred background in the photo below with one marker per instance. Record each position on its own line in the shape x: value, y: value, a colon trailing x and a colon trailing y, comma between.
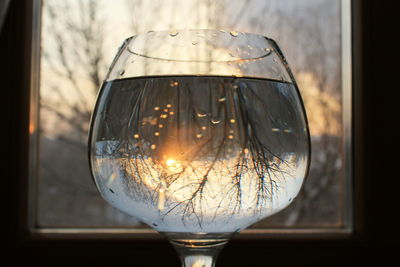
x: 79, y: 39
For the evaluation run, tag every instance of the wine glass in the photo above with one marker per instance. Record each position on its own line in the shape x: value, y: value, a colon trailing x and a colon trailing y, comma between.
x: 199, y: 134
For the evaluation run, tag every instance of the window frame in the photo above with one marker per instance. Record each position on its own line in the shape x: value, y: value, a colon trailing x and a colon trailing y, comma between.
x: 345, y: 232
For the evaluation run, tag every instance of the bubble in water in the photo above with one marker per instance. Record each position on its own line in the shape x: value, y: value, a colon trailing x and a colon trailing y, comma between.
x: 215, y: 121
x: 121, y: 72
x: 201, y: 115
x: 173, y: 33
x: 234, y: 33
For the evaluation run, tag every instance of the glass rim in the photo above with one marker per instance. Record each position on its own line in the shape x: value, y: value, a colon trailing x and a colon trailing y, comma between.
x: 176, y: 32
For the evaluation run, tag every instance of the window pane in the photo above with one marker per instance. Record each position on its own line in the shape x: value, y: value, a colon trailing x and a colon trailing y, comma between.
x: 79, y: 41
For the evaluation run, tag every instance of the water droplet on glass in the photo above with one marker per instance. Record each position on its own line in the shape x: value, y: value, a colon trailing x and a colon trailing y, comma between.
x: 215, y: 121
x: 234, y: 33
x: 201, y: 115
x: 267, y: 51
x: 222, y: 99
x: 173, y: 33
x: 121, y: 72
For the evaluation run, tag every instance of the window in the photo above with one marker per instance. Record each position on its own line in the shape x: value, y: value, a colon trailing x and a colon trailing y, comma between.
x: 78, y: 41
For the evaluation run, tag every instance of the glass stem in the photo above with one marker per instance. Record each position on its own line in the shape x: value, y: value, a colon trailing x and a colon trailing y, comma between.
x: 198, y: 250
x: 197, y: 260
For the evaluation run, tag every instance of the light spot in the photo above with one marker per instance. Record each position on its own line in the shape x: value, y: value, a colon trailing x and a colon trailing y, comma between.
x: 153, y: 146
x: 136, y: 136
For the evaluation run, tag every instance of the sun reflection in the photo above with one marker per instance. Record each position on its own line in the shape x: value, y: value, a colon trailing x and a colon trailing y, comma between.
x: 170, y: 162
